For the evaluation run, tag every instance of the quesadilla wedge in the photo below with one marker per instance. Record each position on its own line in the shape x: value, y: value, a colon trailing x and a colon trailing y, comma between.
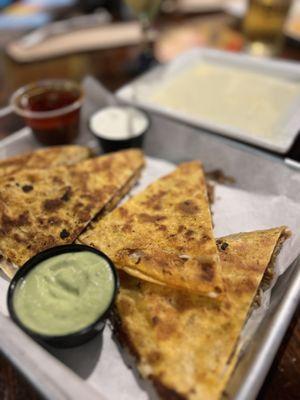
x: 164, y: 234
x: 44, y: 158
x: 44, y: 208
x: 187, y: 343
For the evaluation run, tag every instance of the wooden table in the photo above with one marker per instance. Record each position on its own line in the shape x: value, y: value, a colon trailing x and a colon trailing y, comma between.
x: 109, y: 66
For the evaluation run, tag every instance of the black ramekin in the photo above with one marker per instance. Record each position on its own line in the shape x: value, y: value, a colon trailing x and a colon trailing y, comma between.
x: 110, y: 145
x: 71, y: 339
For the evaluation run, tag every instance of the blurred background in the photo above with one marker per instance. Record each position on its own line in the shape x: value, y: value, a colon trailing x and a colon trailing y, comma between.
x: 171, y: 25
x: 115, y: 40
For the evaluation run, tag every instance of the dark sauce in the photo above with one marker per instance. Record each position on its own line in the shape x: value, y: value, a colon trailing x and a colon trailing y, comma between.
x: 53, y: 130
x: 49, y: 100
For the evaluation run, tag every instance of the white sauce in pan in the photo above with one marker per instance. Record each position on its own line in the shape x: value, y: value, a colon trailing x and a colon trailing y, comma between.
x: 230, y: 96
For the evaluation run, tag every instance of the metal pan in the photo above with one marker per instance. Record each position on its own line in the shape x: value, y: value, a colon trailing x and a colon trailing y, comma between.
x: 254, y: 171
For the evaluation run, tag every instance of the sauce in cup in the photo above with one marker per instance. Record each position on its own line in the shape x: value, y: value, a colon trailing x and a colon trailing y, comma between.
x: 51, y: 108
x: 119, y: 127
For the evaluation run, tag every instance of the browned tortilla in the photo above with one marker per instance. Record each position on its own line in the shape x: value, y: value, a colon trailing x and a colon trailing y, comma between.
x: 43, y: 208
x: 44, y: 158
x: 164, y: 234
x: 186, y: 343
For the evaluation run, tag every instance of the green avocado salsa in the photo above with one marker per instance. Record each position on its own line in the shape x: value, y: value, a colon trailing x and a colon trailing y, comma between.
x: 65, y: 293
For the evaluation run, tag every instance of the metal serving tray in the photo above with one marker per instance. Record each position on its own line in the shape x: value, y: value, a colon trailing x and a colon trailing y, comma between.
x: 253, y: 171
x: 139, y: 92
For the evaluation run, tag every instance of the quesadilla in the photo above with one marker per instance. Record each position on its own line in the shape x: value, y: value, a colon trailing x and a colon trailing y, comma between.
x: 187, y: 343
x: 44, y: 208
x: 164, y: 234
x: 44, y: 158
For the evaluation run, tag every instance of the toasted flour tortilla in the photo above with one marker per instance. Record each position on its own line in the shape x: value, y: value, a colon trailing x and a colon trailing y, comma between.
x: 164, y: 234
x: 187, y: 343
x: 44, y: 158
x: 44, y: 208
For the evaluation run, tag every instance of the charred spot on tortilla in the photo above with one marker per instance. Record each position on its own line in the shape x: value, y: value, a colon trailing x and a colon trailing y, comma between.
x: 151, y: 218
x: 52, y: 204
x: 222, y: 245
x: 207, y: 271
x: 188, y: 207
x: 189, y: 233
x: 8, y: 223
x: 64, y: 234
x: 27, y: 188
x: 66, y: 196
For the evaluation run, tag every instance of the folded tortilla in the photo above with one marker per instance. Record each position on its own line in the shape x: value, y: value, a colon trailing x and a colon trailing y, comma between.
x: 187, y: 343
x: 44, y: 208
x: 44, y: 158
x: 164, y: 234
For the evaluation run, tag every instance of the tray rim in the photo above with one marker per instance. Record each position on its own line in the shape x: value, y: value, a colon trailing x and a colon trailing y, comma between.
x: 13, y: 341
x: 277, y: 320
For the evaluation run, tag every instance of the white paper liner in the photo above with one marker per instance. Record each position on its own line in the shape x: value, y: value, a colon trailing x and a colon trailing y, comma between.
x: 101, y: 362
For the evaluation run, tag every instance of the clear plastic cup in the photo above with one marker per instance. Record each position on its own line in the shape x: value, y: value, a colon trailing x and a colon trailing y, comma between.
x: 51, y: 108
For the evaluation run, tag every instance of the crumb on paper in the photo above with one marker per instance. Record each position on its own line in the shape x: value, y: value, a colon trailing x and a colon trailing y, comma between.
x: 219, y: 176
